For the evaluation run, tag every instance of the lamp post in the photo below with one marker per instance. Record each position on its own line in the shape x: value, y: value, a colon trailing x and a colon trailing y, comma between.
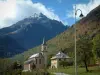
x: 81, y: 15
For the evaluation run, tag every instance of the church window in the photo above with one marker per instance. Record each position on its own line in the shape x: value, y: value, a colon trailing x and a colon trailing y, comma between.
x: 36, y: 61
x: 44, y: 47
x: 39, y: 61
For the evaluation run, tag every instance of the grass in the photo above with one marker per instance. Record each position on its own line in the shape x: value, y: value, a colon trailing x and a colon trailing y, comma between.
x: 81, y: 71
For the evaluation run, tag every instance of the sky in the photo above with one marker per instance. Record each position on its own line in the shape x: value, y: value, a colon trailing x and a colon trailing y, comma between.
x: 12, y: 11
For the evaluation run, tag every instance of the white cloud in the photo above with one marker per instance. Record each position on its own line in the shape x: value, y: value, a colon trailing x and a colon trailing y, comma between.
x: 11, y: 11
x: 86, y: 8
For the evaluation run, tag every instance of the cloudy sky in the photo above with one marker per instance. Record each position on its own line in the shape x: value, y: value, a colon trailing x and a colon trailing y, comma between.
x: 12, y: 11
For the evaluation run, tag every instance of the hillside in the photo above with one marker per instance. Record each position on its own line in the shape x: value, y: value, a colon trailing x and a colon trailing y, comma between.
x: 89, y: 25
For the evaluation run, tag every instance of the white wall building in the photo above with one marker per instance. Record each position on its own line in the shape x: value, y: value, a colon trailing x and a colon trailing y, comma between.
x: 60, y: 56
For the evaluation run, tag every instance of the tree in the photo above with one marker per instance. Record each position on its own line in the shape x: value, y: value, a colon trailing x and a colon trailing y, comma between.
x: 15, y: 68
x: 63, y: 63
x: 49, y: 60
x: 33, y: 66
x: 16, y: 65
x: 96, y: 48
x: 84, y: 50
x: 96, y: 45
x: 4, y: 63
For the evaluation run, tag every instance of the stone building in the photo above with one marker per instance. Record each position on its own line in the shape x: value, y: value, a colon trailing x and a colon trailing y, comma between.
x: 37, y: 60
x: 60, y: 56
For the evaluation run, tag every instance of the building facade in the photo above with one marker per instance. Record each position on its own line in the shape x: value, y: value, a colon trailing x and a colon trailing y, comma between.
x: 38, y: 60
x: 60, y: 56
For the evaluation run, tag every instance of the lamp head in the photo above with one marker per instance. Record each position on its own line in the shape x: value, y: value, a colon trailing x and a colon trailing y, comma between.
x: 81, y: 15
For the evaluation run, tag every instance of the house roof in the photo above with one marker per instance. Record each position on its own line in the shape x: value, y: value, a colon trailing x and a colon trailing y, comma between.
x: 60, y: 55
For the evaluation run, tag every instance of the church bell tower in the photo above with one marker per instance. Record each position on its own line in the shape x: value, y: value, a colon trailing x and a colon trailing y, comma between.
x: 44, y: 51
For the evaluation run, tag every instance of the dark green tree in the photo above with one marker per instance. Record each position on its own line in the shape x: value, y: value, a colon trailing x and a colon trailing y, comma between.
x: 16, y: 65
x: 33, y: 66
x: 63, y: 63
x: 84, y: 51
x: 49, y: 60
x: 15, y: 69
x: 96, y: 45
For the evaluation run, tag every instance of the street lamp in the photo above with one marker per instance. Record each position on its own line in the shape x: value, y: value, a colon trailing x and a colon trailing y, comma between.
x: 81, y: 15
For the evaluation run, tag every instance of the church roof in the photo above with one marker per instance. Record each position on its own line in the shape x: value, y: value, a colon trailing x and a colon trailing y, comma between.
x: 28, y: 61
x: 60, y: 55
x: 35, y: 55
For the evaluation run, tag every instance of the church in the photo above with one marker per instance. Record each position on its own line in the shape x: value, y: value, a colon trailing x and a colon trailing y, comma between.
x: 37, y: 60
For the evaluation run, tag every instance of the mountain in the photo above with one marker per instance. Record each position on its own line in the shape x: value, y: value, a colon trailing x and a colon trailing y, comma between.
x: 28, y: 33
x: 9, y: 46
x: 89, y: 25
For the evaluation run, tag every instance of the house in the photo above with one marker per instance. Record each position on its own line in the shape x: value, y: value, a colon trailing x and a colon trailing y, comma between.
x: 60, y: 56
x: 37, y: 60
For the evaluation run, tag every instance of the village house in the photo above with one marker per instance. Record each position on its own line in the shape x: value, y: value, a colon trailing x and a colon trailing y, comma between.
x: 60, y: 56
x: 38, y: 60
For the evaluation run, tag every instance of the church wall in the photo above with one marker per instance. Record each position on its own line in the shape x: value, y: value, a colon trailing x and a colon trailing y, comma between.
x: 26, y: 67
x: 39, y: 63
x: 40, y: 60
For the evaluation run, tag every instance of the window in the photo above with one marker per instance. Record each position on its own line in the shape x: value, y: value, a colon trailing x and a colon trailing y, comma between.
x: 36, y: 61
x: 59, y: 59
x: 39, y: 61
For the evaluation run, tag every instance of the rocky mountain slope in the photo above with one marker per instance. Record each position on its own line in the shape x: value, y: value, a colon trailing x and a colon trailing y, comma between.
x: 28, y: 33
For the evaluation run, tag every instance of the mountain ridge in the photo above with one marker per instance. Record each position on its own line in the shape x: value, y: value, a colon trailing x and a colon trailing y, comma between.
x: 29, y: 32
